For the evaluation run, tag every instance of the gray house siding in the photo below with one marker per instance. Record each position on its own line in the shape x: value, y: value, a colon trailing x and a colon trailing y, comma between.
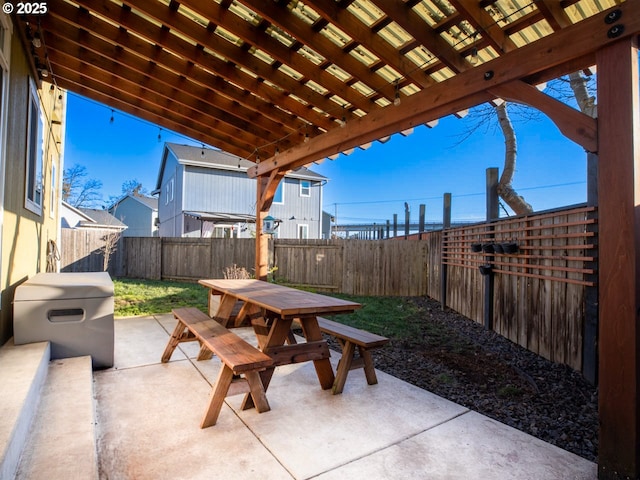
x: 225, y: 191
x: 212, y: 195
x: 305, y: 210
x: 138, y: 217
x: 169, y: 199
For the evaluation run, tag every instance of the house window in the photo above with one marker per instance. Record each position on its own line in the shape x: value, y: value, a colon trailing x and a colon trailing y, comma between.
x: 33, y: 194
x: 305, y: 188
x: 168, y: 195
x: 279, y: 195
x: 303, y: 231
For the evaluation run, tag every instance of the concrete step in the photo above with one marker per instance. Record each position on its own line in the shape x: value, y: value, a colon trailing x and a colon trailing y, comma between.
x: 23, y: 370
x: 62, y: 443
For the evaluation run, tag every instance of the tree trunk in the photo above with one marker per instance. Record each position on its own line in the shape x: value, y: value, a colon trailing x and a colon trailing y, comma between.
x: 586, y: 102
x: 505, y: 189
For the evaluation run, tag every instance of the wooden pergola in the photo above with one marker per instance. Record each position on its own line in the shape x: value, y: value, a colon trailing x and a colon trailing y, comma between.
x: 284, y: 83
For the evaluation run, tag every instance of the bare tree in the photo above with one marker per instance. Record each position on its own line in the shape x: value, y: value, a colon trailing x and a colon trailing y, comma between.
x: 79, y: 191
x: 109, y: 248
x: 576, y: 87
x: 505, y: 187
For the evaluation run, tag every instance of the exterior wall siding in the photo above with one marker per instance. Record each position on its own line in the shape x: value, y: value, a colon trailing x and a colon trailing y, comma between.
x: 169, y: 209
x: 25, y: 234
x: 139, y: 218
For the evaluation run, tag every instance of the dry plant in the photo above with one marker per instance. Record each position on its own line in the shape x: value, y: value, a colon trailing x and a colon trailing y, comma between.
x: 235, y: 272
x: 109, y: 247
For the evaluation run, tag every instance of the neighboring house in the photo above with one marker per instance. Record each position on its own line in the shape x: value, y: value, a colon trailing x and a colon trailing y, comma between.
x: 88, y: 219
x: 138, y: 213
x: 207, y: 193
x: 32, y: 117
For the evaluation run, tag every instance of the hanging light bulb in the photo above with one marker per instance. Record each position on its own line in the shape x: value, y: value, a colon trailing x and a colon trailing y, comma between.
x: 111, y: 120
x: 306, y: 137
x: 202, y: 151
x: 473, y: 59
x: 159, y: 135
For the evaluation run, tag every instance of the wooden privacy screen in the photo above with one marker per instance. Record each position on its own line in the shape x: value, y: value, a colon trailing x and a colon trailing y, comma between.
x: 556, y: 246
x: 539, y: 299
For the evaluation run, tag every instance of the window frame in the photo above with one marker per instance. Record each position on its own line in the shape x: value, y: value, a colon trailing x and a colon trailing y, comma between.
x: 34, y: 159
x: 305, y: 185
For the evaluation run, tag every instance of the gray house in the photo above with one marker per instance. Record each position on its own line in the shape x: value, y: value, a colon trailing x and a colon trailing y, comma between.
x: 139, y: 213
x: 207, y: 193
x: 88, y: 219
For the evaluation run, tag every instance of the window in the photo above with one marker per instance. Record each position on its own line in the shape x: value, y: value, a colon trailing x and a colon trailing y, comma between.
x: 305, y: 188
x: 303, y: 231
x: 33, y: 193
x: 168, y: 194
x: 279, y: 195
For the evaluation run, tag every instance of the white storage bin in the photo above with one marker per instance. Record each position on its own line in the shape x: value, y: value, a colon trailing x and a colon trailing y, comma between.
x: 73, y: 311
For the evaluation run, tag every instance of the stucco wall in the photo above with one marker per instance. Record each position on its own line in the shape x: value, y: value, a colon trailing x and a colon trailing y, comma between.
x: 25, y: 234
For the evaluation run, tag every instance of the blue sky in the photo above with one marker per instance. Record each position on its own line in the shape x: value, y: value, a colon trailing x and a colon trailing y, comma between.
x: 368, y: 185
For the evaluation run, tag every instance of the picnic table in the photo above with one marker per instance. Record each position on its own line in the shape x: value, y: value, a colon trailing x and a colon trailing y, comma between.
x: 271, y: 309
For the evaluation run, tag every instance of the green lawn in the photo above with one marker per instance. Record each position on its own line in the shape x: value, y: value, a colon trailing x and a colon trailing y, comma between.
x: 389, y: 316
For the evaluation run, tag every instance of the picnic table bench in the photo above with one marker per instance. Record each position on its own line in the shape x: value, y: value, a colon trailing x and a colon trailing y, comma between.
x: 241, y: 361
x: 349, y: 338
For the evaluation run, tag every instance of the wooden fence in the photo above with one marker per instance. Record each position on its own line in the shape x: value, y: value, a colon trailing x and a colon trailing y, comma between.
x: 539, y: 292
x: 83, y: 251
x: 538, y: 298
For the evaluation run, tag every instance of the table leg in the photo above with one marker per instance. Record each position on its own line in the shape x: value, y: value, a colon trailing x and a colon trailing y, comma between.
x: 278, y: 334
x: 324, y: 370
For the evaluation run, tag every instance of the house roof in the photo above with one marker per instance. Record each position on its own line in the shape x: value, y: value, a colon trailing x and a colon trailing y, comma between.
x: 255, y: 77
x: 216, y: 159
x: 150, y: 202
x: 100, y: 219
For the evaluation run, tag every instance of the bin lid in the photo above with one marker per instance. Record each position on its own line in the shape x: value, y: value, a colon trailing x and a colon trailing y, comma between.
x: 59, y: 286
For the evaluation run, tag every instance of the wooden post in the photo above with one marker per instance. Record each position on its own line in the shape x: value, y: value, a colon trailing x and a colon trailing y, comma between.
x: 590, y: 335
x: 619, y: 244
x: 493, y: 206
x: 406, y: 220
x: 446, y: 211
x: 422, y: 214
x: 395, y: 225
x: 266, y: 187
x: 262, y: 240
x: 388, y: 228
x: 446, y: 223
x: 492, y: 213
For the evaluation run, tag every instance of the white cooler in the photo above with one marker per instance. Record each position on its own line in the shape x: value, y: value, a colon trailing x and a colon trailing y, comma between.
x: 73, y: 311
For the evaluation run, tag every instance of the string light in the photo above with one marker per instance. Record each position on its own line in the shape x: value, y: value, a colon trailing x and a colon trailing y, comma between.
x: 202, y: 151
x: 159, y: 135
x: 111, y: 120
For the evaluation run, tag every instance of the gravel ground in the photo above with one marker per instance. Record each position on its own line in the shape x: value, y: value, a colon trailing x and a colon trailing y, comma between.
x: 458, y: 359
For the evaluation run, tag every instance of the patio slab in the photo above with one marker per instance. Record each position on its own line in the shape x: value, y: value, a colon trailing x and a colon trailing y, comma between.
x: 149, y: 415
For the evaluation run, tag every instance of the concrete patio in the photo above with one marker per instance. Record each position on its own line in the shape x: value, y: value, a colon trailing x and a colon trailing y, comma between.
x: 147, y: 417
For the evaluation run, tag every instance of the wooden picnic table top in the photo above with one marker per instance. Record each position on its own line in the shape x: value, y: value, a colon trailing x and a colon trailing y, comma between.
x: 285, y: 301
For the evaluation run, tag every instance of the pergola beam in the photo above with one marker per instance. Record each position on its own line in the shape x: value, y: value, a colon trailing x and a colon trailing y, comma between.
x: 465, y: 90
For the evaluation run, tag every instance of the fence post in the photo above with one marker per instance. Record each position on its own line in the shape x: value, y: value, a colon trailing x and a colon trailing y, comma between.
x: 406, y: 220
x: 395, y: 225
x: 492, y: 213
x: 446, y: 223
x: 423, y: 209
